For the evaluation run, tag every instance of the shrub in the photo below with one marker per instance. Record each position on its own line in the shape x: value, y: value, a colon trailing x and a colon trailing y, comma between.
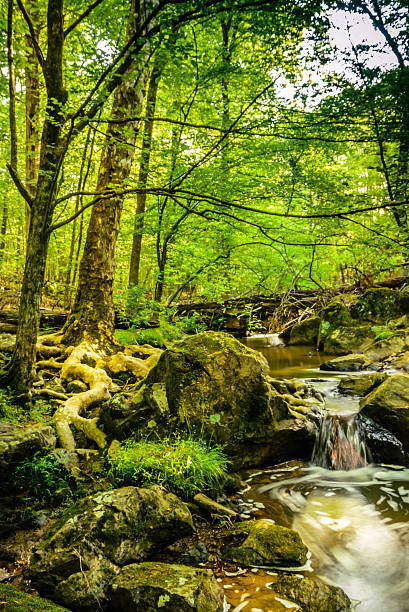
x: 42, y: 477
x: 183, y: 466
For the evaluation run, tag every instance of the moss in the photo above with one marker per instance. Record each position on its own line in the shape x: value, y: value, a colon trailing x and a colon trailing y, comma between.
x: 312, y: 594
x: 19, y: 601
x: 380, y: 303
x: 306, y: 332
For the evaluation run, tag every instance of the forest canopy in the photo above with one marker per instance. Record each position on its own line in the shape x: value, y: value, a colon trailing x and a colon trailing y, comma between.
x: 160, y: 151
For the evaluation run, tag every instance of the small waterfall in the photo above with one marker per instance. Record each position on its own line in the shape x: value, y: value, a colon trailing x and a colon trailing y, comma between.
x: 340, y: 443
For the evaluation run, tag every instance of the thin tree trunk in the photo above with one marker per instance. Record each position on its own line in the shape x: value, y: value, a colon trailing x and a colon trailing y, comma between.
x: 32, y: 101
x: 143, y: 174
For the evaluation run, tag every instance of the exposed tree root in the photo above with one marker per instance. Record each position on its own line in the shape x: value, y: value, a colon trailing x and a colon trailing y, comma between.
x: 86, y: 363
x: 70, y: 412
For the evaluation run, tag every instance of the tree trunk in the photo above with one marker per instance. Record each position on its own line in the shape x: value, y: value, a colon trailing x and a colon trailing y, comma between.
x: 143, y: 175
x: 92, y: 318
x: 32, y: 101
x: 20, y: 370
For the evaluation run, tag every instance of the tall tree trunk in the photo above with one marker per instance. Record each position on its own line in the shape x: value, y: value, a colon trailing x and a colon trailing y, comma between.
x: 21, y: 367
x: 143, y: 173
x: 32, y: 102
x: 92, y: 317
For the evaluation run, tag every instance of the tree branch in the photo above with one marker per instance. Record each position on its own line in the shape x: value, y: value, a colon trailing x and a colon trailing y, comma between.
x: 36, y: 46
x: 19, y: 184
x: 85, y: 14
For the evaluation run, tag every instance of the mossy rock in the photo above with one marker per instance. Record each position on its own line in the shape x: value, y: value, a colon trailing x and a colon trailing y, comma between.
x: 213, y: 386
x: 312, y: 594
x: 380, y: 304
x: 388, y: 405
x: 15, y: 600
x: 85, y: 591
x: 107, y: 530
x: 169, y: 588
x: 264, y: 543
x: 346, y: 339
x: 354, y: 362
x: 361, y: 385
x: 305, y: 332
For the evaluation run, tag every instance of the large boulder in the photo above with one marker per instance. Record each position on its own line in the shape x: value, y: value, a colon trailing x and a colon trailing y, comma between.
x: 212, y: 385
x: 380, y: 304
x: 388, y: 405
x: 349, y: 339
x: 264, y: 543
x: 311, y: 593
x: 107, y: 530
x: 171, y: 588
x: 18, y: 443
x: 142, y: 586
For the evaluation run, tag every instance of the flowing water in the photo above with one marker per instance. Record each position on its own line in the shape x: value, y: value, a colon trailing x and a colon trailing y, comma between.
x: 353, y: 515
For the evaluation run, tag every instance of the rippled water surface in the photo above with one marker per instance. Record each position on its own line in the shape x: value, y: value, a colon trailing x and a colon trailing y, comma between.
x: 354, y: 522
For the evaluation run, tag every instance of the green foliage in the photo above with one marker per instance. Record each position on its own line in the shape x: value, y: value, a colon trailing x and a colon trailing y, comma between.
x: 40, y: 411
x: 193, y: 324
x: 183, y: 466
x: 41, y: 477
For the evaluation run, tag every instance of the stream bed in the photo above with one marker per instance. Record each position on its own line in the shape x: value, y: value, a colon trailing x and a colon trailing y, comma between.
x: 354, y: 521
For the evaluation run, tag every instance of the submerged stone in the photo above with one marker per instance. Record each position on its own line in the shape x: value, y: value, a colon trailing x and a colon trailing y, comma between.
x: 264, y: 543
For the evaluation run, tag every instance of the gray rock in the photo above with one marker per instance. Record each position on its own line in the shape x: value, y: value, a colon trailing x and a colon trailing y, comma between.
x: 18, y: 443
x: 171, y: 588
x: 107, y: 530
x: 354, y: 362
x: 388, y: 405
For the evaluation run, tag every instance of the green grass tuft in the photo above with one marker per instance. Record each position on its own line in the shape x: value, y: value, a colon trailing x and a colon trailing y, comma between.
x: 183, y: 466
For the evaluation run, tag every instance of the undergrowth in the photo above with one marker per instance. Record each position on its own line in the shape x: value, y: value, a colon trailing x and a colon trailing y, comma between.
x: 42, y: 477
x: 182, y: 466
x: 40, y: 411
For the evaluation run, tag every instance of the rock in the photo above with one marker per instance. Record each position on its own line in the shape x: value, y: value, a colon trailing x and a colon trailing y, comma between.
x: 15, y: 600
x: 388, y: 405
x: 86, y: 591
x: 380, y: 304
x: 77, y: 386
x: 7, y: 342
x: 18, y: 443
x: 347, y: 363
x: 347, y: 339
x: 383, y: 445
x: 312, y: 593
x: 360, y: 385
x: 264, y: 543
x: 107, y: 530
x: 160, y: 586
x: 232, y: 483
x: 305, y: 332
x: 213, y: 385
x: 401, y: 362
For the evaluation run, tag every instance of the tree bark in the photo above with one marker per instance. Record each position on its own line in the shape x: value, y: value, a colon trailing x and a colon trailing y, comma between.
x: 143, y: 174
x: 20, y: 370
x: 92, y: 318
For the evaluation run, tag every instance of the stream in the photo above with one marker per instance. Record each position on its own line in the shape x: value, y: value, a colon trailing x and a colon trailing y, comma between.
x: 353, y: 517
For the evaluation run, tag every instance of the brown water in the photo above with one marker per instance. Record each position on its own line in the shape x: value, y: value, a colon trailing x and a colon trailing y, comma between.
x: 355, y: 522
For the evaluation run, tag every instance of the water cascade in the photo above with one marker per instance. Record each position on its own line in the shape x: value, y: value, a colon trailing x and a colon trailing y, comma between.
x: 340, y: 443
